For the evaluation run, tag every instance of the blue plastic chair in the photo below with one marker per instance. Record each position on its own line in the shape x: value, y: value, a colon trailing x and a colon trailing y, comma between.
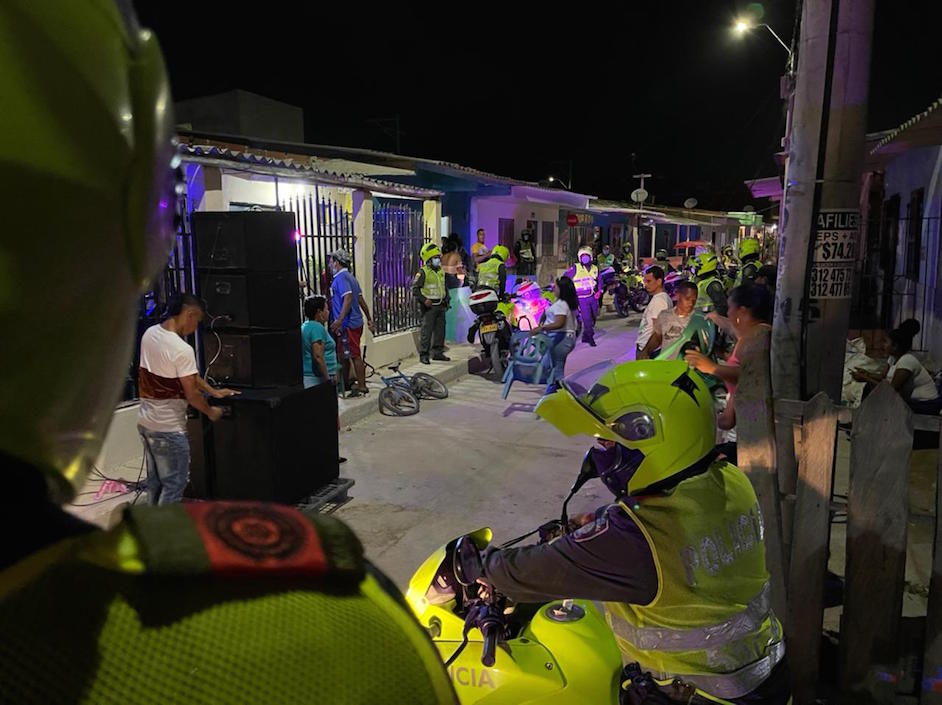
x: 527, y: 363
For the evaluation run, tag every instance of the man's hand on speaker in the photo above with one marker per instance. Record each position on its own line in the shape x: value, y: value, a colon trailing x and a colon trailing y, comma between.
x: 215, y: 413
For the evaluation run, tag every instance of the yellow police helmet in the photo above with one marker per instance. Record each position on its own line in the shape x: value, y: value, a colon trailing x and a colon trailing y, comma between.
x: 429, y: 250
x: 88, y: 125
x: 749, y: 246
x: 659, y: 410
x: 501, y: 252
x: 705, y: 263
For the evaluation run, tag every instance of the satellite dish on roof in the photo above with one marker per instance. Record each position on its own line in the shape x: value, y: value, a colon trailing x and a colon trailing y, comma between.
x: 690, y: 203
x: 749, y: 209
x: 639, y: 195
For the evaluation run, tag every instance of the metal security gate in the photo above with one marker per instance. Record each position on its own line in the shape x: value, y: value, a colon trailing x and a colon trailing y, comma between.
x: 322, y: 226
x: 178, y: 276
x: 398, y: 234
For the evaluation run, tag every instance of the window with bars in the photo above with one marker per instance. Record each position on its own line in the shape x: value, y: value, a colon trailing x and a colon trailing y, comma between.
x: 914, y: 234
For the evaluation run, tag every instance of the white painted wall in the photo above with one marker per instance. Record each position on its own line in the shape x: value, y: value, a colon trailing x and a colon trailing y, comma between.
x: 912, y: 170
x: 487, y: 212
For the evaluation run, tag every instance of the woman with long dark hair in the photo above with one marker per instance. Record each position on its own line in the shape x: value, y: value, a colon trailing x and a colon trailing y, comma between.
x: 560, y: 324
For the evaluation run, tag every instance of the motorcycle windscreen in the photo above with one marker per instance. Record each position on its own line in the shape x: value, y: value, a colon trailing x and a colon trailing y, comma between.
x: 567, y: 409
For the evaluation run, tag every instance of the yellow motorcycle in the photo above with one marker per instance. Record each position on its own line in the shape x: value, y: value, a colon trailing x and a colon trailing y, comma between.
x: 501, y: 653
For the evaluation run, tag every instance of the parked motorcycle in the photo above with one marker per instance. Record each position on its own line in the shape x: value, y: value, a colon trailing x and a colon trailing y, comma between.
x: 491, y: 327
x: 527, y: 305
x: 503, y: 653
x: 626, y: 289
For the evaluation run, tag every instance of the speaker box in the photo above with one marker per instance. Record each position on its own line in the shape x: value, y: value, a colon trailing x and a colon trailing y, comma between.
x: 278, y: 446
x: 254, y: 358
x: 258, y: 241
x: 199, y: 434
x: 253, y: 300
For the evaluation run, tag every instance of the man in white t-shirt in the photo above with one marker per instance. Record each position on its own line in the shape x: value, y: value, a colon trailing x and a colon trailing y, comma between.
x: 660, y: 302
x: 168, y: 380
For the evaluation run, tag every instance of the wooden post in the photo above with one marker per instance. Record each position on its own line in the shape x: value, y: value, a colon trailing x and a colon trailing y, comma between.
x: 810, y: 545
x: 877, y: 513
x: 932, y: 660
x: 755, y: 429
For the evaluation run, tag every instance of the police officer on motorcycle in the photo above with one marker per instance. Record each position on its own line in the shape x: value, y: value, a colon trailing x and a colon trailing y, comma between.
x: 585, y: 275
x: 431, y: 294
x: 200, y: 602
x: 492, y: 273
x: 678, y: 558
x: 749, y: 252
x: 606, y: 258
x: 627, y: 255
x: 662, y: 260
x: 711, y: 294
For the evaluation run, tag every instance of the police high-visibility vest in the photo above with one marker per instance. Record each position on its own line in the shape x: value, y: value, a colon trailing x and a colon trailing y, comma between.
x: 584, y: 280
x: 489, y: 273
x: 711, y: 622
x: 704, y: 301
x: 434, y: 286
x: 526, y: 252
x: 747, y: 272
x: 606, y: 260
x: 122, y: 593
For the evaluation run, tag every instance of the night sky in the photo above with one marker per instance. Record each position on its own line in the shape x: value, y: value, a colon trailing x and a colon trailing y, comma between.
x: 656, y: 86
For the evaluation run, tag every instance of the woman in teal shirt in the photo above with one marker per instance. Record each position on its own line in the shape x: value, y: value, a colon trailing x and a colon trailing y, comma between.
x: 318, y: 347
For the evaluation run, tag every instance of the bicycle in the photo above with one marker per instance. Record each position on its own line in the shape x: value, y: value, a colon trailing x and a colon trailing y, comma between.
x: 401, y: 395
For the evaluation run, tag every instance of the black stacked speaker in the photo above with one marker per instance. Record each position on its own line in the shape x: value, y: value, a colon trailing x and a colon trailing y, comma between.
x: 248, y: 277
x: 276, y: 441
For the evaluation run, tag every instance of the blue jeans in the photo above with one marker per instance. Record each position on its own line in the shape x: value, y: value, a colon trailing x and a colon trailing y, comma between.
x: 167, y: 459
x: 562, y: 346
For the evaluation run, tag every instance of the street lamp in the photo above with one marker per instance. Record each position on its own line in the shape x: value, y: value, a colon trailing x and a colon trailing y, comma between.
x: 742, y: 26
x: 553, y: 178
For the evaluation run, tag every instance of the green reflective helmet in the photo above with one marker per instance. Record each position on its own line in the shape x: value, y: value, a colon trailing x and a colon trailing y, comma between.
x: 658, y: 407
x: 749, y: 246
x: 429, y: 250
x: 85, y: 154
x: 705, y: 263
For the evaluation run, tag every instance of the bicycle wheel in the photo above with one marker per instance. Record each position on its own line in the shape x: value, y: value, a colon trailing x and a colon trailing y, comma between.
x: 396, y: 401
x: 428, y: 387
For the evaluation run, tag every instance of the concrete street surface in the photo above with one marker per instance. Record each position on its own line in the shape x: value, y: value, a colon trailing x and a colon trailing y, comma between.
x: 469, y: 461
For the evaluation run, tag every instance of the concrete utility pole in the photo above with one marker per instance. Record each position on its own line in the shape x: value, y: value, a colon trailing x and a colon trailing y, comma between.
x: 820, y: 230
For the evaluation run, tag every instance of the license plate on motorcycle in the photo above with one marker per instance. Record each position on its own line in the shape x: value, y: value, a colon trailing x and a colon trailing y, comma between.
x: 489, y: 328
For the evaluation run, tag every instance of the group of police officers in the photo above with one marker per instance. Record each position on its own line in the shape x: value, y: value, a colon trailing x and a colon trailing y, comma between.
x: 714, y: 278
x: 251, y: 602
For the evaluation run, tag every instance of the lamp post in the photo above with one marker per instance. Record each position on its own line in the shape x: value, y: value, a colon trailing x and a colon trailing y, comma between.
x: 742, y: 26
x: 553, y: 179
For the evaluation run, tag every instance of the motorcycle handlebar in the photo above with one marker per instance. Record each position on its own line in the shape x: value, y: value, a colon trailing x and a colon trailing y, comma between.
x: 490, y: 630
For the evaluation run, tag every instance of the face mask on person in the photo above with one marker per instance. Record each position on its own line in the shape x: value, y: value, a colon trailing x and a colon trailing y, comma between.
x: 616, y: 465
x: 435, y: 262
x: 606, y: 251
x: 585, y: 259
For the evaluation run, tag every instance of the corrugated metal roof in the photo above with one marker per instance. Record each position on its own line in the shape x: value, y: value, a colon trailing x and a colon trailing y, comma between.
x: 370, y: 156
x: 891, y: 135
x: 291, y: 168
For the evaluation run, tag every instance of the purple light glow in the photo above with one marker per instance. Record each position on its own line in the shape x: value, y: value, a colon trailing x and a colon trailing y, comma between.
x: 163, y: 204
x: 297, y: 236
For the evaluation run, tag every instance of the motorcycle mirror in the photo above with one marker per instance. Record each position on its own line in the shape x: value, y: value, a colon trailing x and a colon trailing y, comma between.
x: 467, y: 562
